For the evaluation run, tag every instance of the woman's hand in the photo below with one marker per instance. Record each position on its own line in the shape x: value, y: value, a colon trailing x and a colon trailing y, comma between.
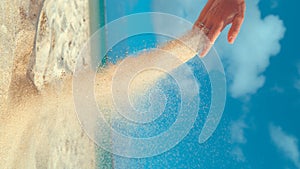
x: 219, y: 13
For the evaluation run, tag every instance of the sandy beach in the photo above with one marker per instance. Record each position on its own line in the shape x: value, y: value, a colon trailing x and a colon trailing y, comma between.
x: 39, y: 127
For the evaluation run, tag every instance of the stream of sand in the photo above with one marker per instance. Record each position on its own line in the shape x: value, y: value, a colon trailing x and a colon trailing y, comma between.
x: 40, y: 129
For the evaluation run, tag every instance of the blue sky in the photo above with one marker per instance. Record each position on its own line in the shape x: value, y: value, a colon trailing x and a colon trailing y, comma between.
x: 260, y: 126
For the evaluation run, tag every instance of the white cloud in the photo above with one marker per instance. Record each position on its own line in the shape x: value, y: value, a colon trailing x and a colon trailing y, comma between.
x: 237, y: 131
x: 274, y: 4
x: 237, y: 138
x: 277, y: 89
x: 297, y: 84
x: 297, y: 81
x: 286, y: 143
x: 238, y: 154
x: 248, y: 58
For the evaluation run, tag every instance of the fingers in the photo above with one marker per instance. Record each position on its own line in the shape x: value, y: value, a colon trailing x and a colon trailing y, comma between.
x: 212, y: 35
x: 235, y: 28
x: 217, y: 27
x: 237, y: 23
x: 206, y: 29
x: 203, y: 13
x: 205, y: 50
x: 217, y: 15
x: 215, y: 32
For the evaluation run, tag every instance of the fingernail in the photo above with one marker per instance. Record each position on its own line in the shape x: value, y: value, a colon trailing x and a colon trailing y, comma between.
x: 231, y: 39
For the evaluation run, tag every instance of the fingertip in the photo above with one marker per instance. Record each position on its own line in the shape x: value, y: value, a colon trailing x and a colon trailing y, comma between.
x: 202, y: 54
x: 212, y: 37
x: 204, y: 51
x: 235, y: 28
x: 231, y: 39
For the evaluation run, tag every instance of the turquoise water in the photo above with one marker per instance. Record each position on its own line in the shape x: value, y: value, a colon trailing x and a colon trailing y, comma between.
x: 188, y: 151
x: 186, y: 154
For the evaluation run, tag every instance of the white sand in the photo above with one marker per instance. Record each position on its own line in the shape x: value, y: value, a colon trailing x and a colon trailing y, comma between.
x: 39, y: 129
